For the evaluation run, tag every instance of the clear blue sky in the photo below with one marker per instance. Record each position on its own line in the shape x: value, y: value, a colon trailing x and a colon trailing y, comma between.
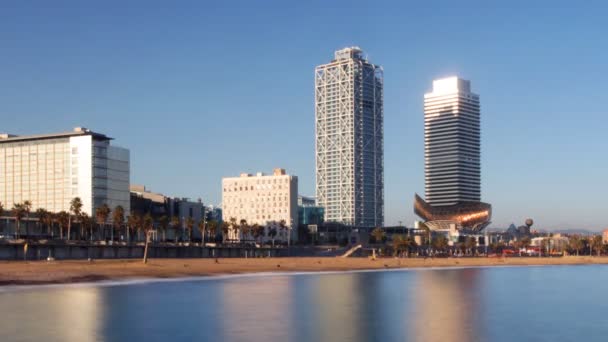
x: 200, y: 90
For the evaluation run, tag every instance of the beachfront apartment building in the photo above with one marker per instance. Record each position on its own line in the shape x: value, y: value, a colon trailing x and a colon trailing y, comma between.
x: 262, y: 199
x: 49, y: 170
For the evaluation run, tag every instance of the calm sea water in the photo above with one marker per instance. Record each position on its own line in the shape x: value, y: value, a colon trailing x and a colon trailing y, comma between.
x: 558, y: 303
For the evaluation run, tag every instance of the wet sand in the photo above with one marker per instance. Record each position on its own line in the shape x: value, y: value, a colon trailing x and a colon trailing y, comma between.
x: 74, y: 271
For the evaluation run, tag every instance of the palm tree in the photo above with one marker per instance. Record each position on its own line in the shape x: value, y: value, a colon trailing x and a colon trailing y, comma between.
x: 40, y: 214
x: 283, y: 228
x: 18, y: 213
x: 101, y: 215
x: 576, y: 243
x: 411, y: 243
x: 190, y: 226
x: 201, y: 228
x: 148, y: 225
x: 86, y: 223
x: 27, y: 206
x: 212, y: 228
x: 225, y: 228
x: 597, y: 244
x: 544, y: 245
x: 49, y: 219
x: 244, y: 227
x: 118, y: 217
x: 175, y: 223
x: 1, y: 209
x: 399, y: 244
x: 378, y: 234
x: 525, y: 242
x: 586, y: 244
x: 470, y: 244
x: 76, y: 210
x: 133, y: 222
x: 164, y: 223
x: 272, y: 232
x: 63, y: 219
x: 234, y: 226
x: 256, y: 231
x: 440, y: 242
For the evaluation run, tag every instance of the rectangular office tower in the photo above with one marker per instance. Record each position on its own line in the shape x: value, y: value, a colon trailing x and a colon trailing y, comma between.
x: 50, y: 170
x: 451, y: 143
x: 349, y: 139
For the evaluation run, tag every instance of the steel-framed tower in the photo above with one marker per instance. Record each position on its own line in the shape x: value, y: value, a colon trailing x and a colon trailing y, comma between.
x: 349, y: 118
x: 452, y: 143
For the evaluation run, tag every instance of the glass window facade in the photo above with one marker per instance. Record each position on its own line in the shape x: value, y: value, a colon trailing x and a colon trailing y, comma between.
x: 49, y: 172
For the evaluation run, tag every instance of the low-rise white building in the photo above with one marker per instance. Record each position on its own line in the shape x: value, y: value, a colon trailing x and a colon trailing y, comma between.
x: 555, y: 243
x: 50, y: 170
x: 261, y: 199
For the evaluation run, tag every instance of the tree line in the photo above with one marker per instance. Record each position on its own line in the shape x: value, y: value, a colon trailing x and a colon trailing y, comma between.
x: 575, y: 245
x: 107, y: 224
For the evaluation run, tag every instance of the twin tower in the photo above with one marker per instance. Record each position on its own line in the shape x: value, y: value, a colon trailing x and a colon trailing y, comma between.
x: 349, y: 118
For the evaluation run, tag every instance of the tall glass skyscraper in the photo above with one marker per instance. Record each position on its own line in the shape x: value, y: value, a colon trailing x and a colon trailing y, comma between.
x: 452, y: 143
x: 349, y: 119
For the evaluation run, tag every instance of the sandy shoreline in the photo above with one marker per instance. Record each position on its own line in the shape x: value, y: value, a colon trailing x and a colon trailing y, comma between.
x: 78, y: 271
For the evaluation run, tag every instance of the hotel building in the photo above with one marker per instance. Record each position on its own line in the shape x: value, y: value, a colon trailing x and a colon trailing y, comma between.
x: 262, y: 199
x: 452, y: 143
x: 349, y: 139
x: 50, y: 170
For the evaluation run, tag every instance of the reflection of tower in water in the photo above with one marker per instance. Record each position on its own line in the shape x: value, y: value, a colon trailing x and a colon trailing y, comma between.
x: 244, y: 318
x: 446, y: 307
x: 72, y: 315
x: 338, y: 307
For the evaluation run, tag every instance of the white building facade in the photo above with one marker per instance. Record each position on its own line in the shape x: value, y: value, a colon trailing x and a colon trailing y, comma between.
x: 349, y: 118
x: 50, y: 170
x: 452, y: 143
x: 265, y: 200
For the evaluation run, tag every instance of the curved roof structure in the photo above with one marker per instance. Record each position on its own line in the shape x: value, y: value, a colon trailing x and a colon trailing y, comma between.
x: 473, y: 216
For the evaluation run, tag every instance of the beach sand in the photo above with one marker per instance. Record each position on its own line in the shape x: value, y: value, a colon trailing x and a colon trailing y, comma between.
x: 74, y: 271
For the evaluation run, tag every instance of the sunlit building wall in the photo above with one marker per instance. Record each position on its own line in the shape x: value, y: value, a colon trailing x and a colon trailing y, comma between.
x: 452, y: 143
x: 50, y: 170
x: 262, y: 199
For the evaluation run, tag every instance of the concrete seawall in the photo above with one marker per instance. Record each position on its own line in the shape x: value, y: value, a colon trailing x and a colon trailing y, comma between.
x: 62, y: 251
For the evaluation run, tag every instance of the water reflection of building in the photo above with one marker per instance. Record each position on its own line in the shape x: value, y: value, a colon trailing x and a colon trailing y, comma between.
x: 72, y: 315
x: 244, y: 319
x: 338, y: 305
x: 446, y: 307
